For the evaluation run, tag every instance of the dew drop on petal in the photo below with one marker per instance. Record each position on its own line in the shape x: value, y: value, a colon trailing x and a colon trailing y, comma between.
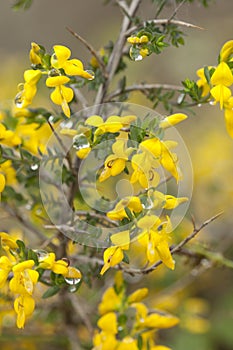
x: 34, y: 166
x: 180, y: 98
x: 148, y: 204
x: 91, y: 73
x: 41, y: 254
x: 66, y: 125
x: 138, y: 58
x: 72, y: 281
x: 19, y: 100
x: 80, y: 142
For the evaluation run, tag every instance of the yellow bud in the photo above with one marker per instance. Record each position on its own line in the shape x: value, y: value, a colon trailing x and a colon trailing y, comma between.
x: 172, y: 120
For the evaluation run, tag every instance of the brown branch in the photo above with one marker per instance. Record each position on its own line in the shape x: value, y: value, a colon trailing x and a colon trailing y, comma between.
x: 117, y: 51
x: 143, y: 88
x: 162, y: 22
x: 89, y: 47
x: 174, y: 250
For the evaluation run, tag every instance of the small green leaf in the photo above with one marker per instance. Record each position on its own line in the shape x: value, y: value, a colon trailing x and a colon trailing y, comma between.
x: 140, y: 342
x: 51, y: 292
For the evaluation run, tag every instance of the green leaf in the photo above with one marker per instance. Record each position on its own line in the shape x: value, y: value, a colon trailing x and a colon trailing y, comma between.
x: 126, y: 258
x: 22, y: 5
x: 51, y: 292
x: 21, y: 246
x: 140, y: 342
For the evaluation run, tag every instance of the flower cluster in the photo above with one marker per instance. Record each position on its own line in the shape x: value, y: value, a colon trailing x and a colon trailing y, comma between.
x: 126, y: 322
x: 138, y: 155
x: 22, y: 269
x: 58, y: 68
x: 216, y: 82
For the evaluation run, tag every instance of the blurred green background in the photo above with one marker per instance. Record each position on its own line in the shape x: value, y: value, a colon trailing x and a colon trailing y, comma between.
x: 204, y: 133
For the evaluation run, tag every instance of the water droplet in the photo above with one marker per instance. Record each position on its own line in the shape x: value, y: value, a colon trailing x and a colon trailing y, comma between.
x: 199, y: 105
x: 91, y: 73
x: 19, y: 100
x: 120, y: 328
x: 212, y: 103
x: 148, y: 204
x: 180, y: 98
x: 34, y: 166
x: 80, y: 142
x: 41, y: 254
x: 51, y: 119
x: 28, y: 206
x: 72, y: 281
x: 72, y: 289
x: 138, y: 58
x: 66, y: 125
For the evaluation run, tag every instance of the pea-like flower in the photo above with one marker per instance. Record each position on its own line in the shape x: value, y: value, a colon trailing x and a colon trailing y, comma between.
x: 60, y: 59
x: 155, y: 236
x: 114, y: 254
x: 61, y: 94
x: 222, y: 78
x: 28, y: 90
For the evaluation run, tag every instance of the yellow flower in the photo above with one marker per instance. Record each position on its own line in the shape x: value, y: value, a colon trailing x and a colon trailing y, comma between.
x: 73, y: 273
x: 7, y: 242
x: 104, y: 341
x: 8, y: 137
x: 24, y: 306
x: 115, y: 163
x: 114, y: 255
x: 144, y: 52
x: 138, y: 295
x: 7, y: 175
x: 202, y: 82
x: 172, y: 120
x: 34, y: 54
x: 57, y: 266
x: 166, y: 201
x: 154, y: 237
x: 5, y: 268
x: 34, y: 137
x: 24, y: 278
x: 60, y: 59
x: 138, y: 40
x: 132, y: 203
x: 222, y: 78
x: 226, y: 51
x: 108, y: 323
x: 112, y: 124
x: 144, y: 165
x: 127, y: 343
x: 28, y: 90
x: 111, y: 301
x: 153, y: 320
x: 62, y: 94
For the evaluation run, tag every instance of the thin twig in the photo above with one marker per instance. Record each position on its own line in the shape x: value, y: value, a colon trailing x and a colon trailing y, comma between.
x: 78, y: 307
x: 176, y: 10
x: 175, y: 249
x: 143, y: 88
x: 89, y: 47
x: 80, y: 97
x: 117, y: 52
x: 67, y: 155
x: 25, y: 222
x: 163, y: 21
